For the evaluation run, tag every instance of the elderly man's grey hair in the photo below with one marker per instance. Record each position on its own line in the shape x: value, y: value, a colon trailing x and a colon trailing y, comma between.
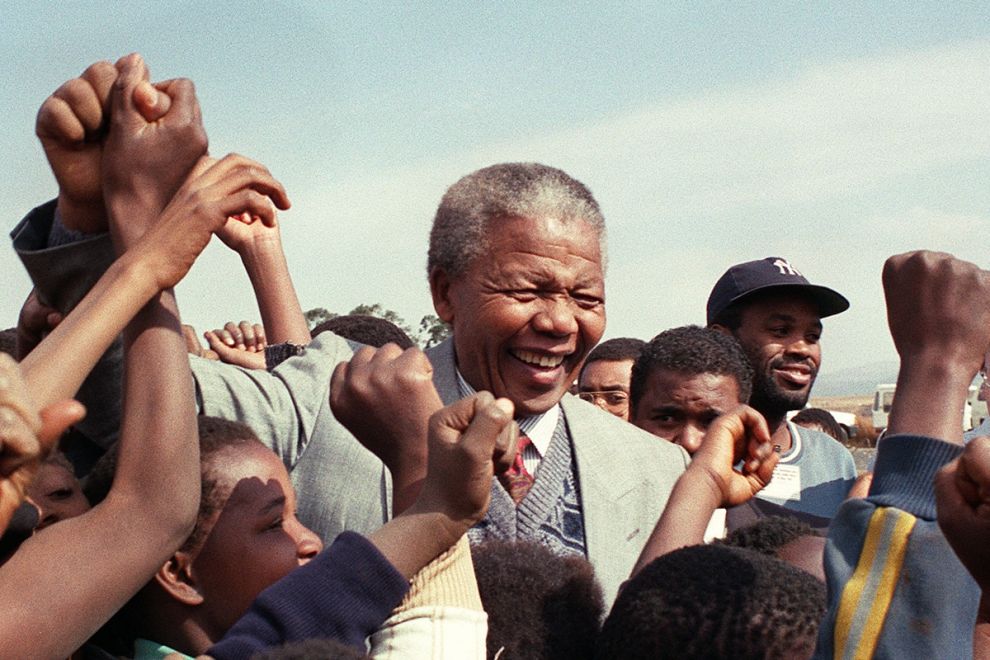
x: 501, y: 192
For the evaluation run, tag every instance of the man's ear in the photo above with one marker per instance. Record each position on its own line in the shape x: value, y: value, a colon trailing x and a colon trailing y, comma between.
x: 718, y: 327
x: 440, y: 290
x: 177, y: 579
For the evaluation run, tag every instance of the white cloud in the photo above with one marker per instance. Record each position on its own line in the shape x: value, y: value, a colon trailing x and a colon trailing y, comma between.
x: 825, y: 133
x: 815, y: 166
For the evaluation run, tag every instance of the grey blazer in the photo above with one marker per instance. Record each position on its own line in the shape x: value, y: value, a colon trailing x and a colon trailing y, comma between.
x: 624, y: 474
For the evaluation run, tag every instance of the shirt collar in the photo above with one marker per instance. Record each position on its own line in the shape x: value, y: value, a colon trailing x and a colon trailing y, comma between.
x: 539, y: 428
x: 796, y: 442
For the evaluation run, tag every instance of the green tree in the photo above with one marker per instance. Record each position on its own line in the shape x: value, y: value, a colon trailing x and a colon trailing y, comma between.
x: 318, y: 315
x: 432, y: 331
x: 382, y: 313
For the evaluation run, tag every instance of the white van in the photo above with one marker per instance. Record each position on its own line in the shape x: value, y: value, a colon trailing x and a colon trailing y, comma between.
x: 979, y: 404
x: 973, y: 414
x: 883, y: 397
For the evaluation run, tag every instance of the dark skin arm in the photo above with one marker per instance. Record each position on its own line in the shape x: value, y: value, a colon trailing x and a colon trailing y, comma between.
x: 711, y: 481
x: 938, y: 309
x: 152, y: 505
x: 469, y: 442
x: 260, y: 248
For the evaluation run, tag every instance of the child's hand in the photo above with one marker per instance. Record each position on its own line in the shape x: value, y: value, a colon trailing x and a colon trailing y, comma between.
x: 241, y: 233
x: 244, y: 336
x: 240, y: 344
x: 33, y: 323
x: 470, y: 441
x: 72, y: 124
x: 740, y: 436
x: 962, y: 491
x: 144, y: 162
x: 213, y: 191
x: 26, y: 435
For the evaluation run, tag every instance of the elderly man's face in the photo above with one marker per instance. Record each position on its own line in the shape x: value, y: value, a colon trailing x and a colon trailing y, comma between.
x: 526, y: 313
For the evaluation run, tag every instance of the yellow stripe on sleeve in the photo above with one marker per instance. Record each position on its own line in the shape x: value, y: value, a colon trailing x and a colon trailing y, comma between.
x: 884, y: 593
x: 867, y: 595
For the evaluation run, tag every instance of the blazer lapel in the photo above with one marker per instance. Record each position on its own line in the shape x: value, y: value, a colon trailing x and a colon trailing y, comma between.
x: 614, y: 529
x: 444, y: 370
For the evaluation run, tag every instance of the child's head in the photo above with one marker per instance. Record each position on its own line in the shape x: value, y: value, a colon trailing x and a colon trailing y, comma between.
x: 786, y: 538
x: 715, y: 601
x: 539, y: 605
x: 56, y: 491
x: 246, y: 538
x: 821, y: 420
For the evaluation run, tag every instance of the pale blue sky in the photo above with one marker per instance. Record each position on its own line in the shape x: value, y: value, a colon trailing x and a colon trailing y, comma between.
x: 834, y: 135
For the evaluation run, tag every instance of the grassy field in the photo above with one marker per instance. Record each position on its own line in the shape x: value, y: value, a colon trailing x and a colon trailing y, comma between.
x: 858, y: 405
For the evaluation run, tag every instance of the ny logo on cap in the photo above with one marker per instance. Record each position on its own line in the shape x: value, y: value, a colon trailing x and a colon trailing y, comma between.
x: 786, y: 268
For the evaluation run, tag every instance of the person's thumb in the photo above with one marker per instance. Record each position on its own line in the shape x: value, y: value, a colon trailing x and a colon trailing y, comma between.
x: 56, y: 418
x: 151, y: 102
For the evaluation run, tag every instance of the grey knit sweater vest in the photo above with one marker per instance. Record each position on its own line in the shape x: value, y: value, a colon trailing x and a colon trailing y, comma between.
x: 550, y: 513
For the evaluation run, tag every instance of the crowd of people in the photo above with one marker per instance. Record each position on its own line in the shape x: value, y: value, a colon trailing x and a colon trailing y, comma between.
x: 519, y: 490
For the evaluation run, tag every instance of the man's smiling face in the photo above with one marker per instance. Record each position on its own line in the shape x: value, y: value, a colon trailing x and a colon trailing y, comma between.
x: 527, y: 312
x: 780, y: 334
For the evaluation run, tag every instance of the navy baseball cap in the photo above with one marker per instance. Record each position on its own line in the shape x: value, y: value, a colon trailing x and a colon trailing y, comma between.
x: 743, y: 280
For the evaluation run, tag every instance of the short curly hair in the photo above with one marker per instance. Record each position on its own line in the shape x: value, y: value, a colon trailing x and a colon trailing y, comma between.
x: 812, y: 417
x: 540, y: 605
x: 714, y: 601
x: 691, y: 350
x: 501, y: 192
x: 365, y: 329
x: 768, y: 535
x: 614, y: 350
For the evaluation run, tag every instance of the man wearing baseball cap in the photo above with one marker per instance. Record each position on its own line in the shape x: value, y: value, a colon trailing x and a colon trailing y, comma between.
x: 775, y: 314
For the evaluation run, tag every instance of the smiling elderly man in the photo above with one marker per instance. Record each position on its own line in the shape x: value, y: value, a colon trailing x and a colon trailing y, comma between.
x: 516, y: 267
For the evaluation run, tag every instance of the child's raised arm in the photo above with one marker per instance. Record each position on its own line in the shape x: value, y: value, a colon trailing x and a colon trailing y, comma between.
x: 68, y: 580
x: 712, y: 480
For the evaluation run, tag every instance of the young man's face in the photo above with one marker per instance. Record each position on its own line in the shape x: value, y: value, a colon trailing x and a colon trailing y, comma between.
x: 526, y: 313
x: 256, y: 539
x: 605, y: 383
x: 780, y: 335
x: 679, y: 407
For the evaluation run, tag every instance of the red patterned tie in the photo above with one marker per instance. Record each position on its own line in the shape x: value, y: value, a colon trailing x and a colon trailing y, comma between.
x: 517, y: 480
